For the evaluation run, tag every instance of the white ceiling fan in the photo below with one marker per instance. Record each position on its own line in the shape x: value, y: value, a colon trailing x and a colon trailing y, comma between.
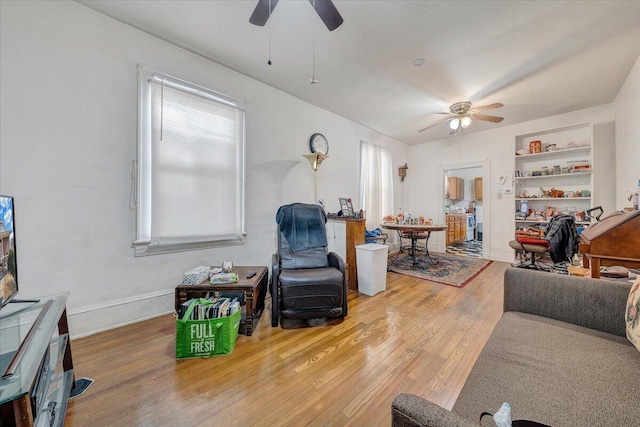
x: 461, y: 115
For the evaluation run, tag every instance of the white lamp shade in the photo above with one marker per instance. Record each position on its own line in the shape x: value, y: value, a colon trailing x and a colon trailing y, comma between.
x: 465, y: 122
x: 454, y: 124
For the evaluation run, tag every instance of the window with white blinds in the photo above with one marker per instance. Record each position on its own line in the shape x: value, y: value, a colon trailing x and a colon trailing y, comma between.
x: 190, y: 167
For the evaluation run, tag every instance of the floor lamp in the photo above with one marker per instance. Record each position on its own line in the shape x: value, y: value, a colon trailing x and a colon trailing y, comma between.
x: 315, y: 159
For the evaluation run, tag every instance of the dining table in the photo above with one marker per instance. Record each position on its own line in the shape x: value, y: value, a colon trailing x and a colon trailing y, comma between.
x: 414, y: 232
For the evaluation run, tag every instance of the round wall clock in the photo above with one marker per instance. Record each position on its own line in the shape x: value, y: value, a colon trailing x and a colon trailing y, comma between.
x: 318, y: 144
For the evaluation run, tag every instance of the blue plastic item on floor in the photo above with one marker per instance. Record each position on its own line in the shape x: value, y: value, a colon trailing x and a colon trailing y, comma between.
x: 370, y: 235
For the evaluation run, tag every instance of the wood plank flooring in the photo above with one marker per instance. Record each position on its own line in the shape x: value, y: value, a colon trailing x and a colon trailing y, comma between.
x: 417, y: 337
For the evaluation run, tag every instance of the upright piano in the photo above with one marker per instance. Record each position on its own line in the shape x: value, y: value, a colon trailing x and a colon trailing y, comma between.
x: 615, y: 240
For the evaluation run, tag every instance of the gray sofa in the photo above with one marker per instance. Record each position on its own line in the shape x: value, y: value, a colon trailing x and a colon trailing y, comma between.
x: 559, y: 355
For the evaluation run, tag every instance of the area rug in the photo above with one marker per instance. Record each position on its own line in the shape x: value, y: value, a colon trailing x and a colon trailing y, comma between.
x: 452, y: 270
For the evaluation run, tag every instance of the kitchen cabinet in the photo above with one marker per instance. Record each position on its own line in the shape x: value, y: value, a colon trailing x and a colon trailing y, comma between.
x: 457, y: 231
x: 451, y: 230
x: 461, y: 228
x: 455, y: 188
x: 478, y: 188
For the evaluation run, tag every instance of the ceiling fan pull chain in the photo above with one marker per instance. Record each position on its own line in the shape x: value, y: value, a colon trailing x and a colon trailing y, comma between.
x: 269, y: 61
x: 313, y: 49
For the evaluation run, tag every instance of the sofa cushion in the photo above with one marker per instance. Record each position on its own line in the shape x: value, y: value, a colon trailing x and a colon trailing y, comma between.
x: 632, y: 315
x: 555, y: 373
x: 533, y: 241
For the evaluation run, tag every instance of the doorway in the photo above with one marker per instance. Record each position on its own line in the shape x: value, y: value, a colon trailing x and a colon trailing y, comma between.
x: 465, y: 208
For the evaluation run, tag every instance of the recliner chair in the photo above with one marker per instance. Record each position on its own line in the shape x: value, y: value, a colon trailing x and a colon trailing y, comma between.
x: 307, y: 282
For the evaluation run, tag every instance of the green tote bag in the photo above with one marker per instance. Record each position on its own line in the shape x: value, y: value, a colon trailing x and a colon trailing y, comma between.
x: 206, y: 337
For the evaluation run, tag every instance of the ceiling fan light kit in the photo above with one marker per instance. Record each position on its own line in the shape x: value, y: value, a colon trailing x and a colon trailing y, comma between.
x: 461, y: 115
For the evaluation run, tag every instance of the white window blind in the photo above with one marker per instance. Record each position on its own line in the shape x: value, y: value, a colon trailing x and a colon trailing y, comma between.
x: 376, y: 183
x: 190, y: 167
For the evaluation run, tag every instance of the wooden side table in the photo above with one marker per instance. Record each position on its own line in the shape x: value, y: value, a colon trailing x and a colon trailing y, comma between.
x: 355, y: 235
x: 254, y: 288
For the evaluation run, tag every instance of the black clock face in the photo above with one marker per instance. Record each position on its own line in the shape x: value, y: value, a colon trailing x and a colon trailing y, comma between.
x: 318, y: 144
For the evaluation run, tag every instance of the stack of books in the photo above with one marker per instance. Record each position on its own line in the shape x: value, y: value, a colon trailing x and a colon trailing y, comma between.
x: 221, y: 307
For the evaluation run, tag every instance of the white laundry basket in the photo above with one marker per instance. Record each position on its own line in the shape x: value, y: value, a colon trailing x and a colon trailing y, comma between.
x: 372, y: 268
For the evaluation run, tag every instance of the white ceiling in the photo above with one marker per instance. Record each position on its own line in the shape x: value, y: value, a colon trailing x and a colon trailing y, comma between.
x: 538, y: 58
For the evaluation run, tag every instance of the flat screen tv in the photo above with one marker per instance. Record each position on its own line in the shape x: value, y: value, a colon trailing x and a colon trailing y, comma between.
x: 8, y: 264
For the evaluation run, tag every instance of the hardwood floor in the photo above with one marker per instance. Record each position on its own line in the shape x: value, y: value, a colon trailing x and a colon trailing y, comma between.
x: 417, y: 337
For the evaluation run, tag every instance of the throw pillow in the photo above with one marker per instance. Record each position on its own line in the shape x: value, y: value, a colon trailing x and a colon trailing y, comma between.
x: 533, y: 241
x: 632, y: 315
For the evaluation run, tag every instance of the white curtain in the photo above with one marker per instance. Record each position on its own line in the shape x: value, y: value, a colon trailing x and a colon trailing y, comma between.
x: 376, y: 183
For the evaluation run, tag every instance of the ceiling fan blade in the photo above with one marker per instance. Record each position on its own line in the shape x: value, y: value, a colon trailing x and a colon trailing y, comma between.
x: 486, y: 118
x: 328, y: 13
x: 262, y: 13
x: 438, y: 123
x: 487, y: 107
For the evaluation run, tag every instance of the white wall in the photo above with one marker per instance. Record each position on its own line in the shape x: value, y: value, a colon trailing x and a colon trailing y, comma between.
x: 68, y: 136
x: 494, y: 148
x: 627, y: 111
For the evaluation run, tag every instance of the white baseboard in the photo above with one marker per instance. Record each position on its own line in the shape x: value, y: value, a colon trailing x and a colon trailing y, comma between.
x: 502, y: 255
x: 103, y: 317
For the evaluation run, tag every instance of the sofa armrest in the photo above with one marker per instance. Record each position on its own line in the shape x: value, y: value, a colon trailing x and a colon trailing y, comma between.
x: 408, y: 410
x: 592, y: 303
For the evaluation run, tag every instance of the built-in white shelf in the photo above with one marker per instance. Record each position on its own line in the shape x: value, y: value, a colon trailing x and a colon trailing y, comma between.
x: 552, y: 198
x: 557, y: 153
x: 575, y: 182
x: 529, y: 221
x: 518, y: 178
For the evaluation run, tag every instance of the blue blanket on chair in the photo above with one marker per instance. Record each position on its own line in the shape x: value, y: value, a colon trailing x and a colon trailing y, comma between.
x: 303, y: 225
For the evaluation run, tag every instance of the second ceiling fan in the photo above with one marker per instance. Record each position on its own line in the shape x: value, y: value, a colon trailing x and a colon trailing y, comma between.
x: 461, y: 115
x: 325, y: 9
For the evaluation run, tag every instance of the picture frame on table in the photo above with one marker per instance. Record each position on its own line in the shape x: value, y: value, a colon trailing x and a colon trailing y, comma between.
x: 524, y: 206
x: 347, y: 207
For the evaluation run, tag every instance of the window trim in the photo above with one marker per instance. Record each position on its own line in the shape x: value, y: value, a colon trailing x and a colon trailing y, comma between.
x: 143, y: 244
